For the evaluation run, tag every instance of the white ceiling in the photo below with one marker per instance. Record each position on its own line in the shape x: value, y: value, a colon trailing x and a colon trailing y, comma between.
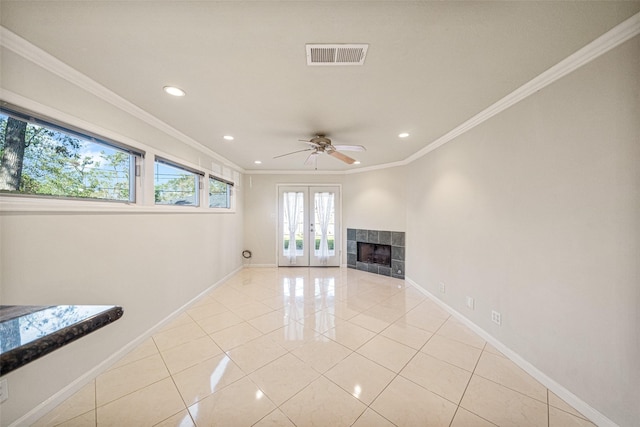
x: 430, y: 65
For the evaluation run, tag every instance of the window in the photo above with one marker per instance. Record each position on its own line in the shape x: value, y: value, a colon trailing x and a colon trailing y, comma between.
x: 176, y: 184
x: 41, y: 158
x: 219, y: 193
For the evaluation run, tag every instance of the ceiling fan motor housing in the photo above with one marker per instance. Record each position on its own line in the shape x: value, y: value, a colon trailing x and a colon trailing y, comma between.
x: 322, y: 142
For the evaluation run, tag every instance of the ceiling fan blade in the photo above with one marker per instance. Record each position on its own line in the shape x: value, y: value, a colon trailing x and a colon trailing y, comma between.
x: 340, y: 156
x: 349, y: 148
x: 311, y: 143
x: 311, y: 159
x: 293, y: 152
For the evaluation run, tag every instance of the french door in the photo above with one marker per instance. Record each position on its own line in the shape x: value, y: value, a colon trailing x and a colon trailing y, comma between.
x: 309, y: 226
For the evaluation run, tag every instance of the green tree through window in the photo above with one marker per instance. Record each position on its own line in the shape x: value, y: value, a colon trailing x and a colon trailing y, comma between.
x: 219, y: 193
x: 174, y: 185
x: 36, y: 159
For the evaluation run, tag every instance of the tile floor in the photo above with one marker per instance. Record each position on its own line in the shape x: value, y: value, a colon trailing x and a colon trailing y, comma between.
x: 314, y: 347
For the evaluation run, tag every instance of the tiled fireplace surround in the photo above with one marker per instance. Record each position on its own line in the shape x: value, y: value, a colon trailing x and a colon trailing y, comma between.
x: 393, y: 238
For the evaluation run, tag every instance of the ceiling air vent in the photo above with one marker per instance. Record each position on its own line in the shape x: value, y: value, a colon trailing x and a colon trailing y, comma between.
x: 336, y: 54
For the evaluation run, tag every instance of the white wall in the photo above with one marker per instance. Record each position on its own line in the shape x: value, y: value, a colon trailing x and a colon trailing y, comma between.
x: 536, y: 214
x: 149, y: 262
x: 375, y: 200
x: 261, y: 211
x: 371, y: 200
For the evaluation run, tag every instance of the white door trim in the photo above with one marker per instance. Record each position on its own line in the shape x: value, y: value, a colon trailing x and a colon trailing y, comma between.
x: 340, y: 229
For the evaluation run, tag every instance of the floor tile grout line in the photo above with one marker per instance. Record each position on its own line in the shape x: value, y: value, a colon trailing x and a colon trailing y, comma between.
x: 462, y: 342
x: 368, y: 406
x: 173, y: 415
x: 467, y: 387
x: 397, y: 374
x: 176, y: 387
x: 548, y: 410
x: 132, y: 392
x: 420, y: 350
x: 289, y: 350
x: 207, y: 358
x: 56, y: 424
x: 446, y: 361
x: 582, y: 417
x: 187, y: 406
x: 114, y: 366
x: 171, y: 375
x: 511, y: 389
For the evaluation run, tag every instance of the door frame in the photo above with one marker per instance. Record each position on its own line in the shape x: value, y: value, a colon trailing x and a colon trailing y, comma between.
x: 339, y: 230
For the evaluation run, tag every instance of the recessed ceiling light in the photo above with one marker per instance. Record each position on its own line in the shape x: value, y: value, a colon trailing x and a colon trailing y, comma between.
x: 357, y: 162
x: 175, y: 91
x: 403, y: 135
x: 258, y: 162
x: 228, y: 137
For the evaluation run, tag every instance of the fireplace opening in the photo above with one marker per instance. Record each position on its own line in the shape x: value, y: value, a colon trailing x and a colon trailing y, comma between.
x: 374, y: 253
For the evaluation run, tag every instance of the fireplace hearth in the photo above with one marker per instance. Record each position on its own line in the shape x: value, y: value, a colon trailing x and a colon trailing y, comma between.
x: 376, y: 251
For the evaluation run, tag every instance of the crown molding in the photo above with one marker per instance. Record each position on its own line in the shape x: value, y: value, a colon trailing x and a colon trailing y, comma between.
x: 34, y: 54
x: 377, y: 167
x: 57, y: 115
x: 291, y: 172
x: 316, y: 172
x: 603, y: 44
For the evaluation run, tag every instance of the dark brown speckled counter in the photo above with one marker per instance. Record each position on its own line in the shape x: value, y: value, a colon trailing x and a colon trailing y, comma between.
x: 30, y: 332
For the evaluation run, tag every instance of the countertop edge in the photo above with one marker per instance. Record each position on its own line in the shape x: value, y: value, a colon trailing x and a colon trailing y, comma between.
x: 18, y: 357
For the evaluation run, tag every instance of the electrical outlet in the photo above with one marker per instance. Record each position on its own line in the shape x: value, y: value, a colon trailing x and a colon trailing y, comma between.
x: 496, y: 317
x: 442, y: 287
x: 471, y: 303
x: 4, y: 390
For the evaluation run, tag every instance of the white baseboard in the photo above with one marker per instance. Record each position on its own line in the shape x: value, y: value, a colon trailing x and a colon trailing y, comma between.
x: 48, y: 405
x: 581, y: 406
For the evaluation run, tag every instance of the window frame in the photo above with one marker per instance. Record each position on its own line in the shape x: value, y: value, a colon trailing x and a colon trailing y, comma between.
x: 230, y: 192
x: 136, y: 155
x: 23, y: 203
x: 198, y: 178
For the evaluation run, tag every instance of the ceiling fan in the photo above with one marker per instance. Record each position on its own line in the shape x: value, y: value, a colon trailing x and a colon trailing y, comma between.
x: 321, y: 144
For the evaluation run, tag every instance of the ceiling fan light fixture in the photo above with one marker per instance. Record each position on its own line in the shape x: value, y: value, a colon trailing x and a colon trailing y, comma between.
x: 228, y: 137
x: 403, y: 135
x: 357, y: 162
x: 321, y: 144
x: 175, y: 91
x: 257, y: 162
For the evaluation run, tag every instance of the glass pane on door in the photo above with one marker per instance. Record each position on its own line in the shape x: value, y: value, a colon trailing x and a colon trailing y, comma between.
x: 308, y: 226
x: 293, y: 224
x: 325, y: 223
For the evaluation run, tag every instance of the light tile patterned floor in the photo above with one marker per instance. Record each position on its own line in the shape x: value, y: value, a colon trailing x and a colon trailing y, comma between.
x: 314, y: 347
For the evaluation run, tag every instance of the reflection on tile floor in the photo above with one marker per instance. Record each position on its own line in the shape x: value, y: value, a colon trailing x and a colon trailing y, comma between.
x: 314, y: 347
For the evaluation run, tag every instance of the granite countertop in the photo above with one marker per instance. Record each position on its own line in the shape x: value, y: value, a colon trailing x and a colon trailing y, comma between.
x: 29, y: 332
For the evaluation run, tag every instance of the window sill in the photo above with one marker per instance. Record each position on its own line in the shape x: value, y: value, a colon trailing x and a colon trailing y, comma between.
x: 17, y: 204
